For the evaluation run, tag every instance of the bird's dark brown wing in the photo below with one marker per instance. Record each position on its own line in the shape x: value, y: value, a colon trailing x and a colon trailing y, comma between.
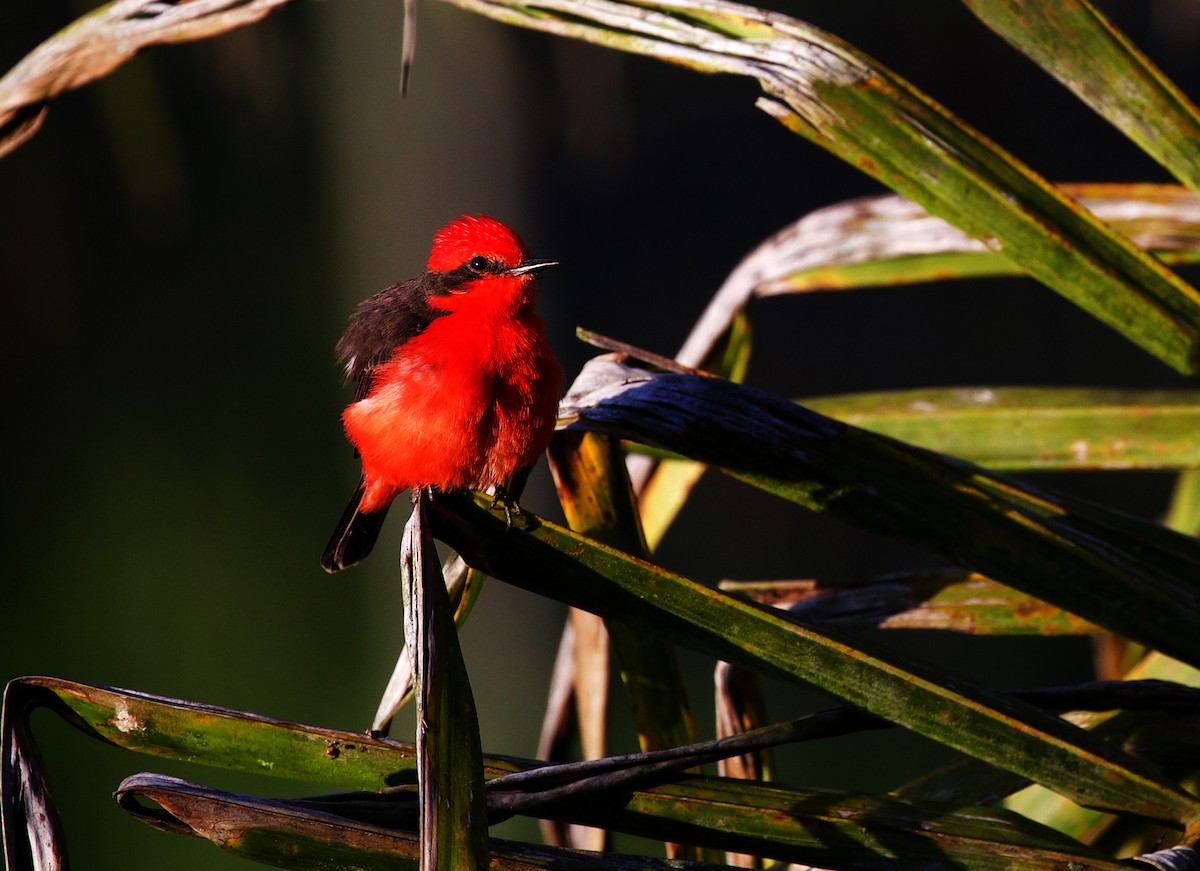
x: 382, y: 323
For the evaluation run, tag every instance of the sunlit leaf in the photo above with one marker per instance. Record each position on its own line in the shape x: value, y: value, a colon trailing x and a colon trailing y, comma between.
x: 551, y: 561
x: 463, y: 585
x: 721, y: 814
x: 1085, y: 51
x: 953, y: 600
x: 1034, y: 427
x: 837, y: 97
x: 597, y: 499
x: 1128, y: 575
x: 102, y: 41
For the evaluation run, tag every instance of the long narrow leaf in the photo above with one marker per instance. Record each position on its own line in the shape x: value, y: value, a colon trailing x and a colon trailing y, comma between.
x: 954, y: 600
x: 1084, y: 50
x: 890, y: 240
x: 30, y: 827
x: 101, y: 41
x: 463, y: 586
x: 577, y: 708
x: 1184, y: 511
x: 596, y: 497
x: 817, y: 827
x: 887, y: 240
x: 449, y: 758
x: 663, y: 491
x: 281, y: 834
x: 844, y: 101
x: 1130, y: 576
x: 1034, y: 428
x: 553, y: 562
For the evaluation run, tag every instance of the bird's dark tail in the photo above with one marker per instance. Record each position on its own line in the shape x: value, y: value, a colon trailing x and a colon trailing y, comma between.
x: 354, y: 536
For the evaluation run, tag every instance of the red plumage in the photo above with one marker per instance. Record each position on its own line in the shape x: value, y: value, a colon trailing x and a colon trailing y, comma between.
x: 458, y: 387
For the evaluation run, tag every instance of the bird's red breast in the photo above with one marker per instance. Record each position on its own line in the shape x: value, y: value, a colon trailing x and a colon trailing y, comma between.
x: 469, y: 395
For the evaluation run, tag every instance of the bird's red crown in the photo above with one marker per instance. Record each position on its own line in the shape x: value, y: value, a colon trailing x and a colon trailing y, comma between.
x: 472, y: 235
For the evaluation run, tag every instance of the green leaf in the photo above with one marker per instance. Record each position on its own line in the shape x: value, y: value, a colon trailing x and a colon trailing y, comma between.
x: 858, y: 831
x: 889, y: 240
x: 1034, y: 427
x: 1157, y: 735
x: 1130, y: 576
x: 1184, y: 511
x: 283, y: 834
x: 952, y: 599
x: 589, y: 472
x: 837, y: 97
x: 1080, y: 47
x: 554, y: 562
x: 718, y: 813
x: 453, y: 812
x: 463, y: 586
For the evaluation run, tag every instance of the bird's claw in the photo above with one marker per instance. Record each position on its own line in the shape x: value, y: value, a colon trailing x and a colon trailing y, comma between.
x: 418, y: 492
x: 500, y: 496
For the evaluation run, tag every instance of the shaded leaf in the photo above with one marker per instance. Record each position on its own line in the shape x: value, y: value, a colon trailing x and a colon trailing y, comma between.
x: 1124, y: 574
x: 553, y: 562
x: 949, y: 599
x: 30, y: 827
x: 283, y: 834
x: 577, y: 704
x: 740, y: 707
x: 597, y: 499
x: 100, y: 42
x: 1170, y: 741
x: 816, y: 827
x: 453, y: 812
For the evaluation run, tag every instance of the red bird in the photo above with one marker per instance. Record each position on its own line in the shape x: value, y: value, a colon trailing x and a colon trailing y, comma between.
x: 457, y: 387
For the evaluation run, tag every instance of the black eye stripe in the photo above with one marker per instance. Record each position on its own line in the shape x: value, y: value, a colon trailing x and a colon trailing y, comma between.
x: 452, y: 281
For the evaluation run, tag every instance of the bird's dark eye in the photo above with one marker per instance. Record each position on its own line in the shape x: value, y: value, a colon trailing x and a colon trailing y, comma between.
x: 478, y: 264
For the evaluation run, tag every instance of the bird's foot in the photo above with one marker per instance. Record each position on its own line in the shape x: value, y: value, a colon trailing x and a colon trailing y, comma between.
x: 417, y: 492
x: 500, y: 496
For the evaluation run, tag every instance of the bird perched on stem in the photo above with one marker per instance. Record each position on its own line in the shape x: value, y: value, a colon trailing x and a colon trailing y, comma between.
x: 456, y: 385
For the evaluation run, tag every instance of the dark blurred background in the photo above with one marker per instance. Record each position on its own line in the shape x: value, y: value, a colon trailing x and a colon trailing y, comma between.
x: 182, y: 242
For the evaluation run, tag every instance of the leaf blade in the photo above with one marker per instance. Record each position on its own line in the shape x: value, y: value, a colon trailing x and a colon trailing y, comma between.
x: 1033, y: 427
x: 551, y: 561
x: 1078, y: 45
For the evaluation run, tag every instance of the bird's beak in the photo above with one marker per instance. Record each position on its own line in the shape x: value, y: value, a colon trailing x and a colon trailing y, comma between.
x: 528, y: 267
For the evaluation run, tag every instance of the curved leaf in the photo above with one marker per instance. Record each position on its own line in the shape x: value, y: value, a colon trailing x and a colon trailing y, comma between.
x: 98, y: 43
x: 952, y: 599
x: 1034, y: 427
x: 554, y: 562
x: 1130, y: 576
x: 815, y: 826
x: 1080, y: 47
x: 837, y: 97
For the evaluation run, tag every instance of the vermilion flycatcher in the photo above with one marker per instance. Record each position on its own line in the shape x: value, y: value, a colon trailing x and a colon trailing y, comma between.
x: 456, y: 385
